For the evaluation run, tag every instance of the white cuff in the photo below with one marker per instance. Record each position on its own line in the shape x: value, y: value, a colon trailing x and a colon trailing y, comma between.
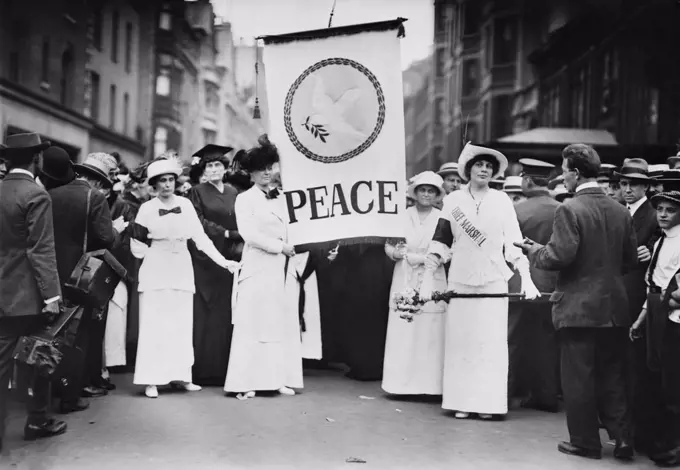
x: 53, y: 299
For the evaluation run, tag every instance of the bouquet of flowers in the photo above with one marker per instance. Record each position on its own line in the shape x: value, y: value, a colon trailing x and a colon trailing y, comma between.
x: 408, y: 303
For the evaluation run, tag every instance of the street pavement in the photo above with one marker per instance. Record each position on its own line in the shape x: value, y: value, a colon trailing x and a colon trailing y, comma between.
x: 332, y: 421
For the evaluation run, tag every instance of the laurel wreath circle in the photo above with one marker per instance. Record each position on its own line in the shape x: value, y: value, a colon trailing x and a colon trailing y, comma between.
x: 352, y: 153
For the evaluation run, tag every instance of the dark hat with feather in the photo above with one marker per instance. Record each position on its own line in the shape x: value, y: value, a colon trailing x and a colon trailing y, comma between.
x: 260, y: 157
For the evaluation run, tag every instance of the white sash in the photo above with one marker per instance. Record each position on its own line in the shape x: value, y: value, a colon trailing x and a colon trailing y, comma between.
x: 477, y: 236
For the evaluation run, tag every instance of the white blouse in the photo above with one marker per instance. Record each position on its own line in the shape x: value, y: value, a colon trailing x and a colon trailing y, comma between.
x: 167, y: 261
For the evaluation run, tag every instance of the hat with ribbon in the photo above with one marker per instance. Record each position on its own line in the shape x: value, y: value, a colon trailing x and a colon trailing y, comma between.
x: 22, y: 145
x: 634, y: 169
x: 670, y: 196
x: 57, y: 165
x: 497, y: 183
x: 512, y: 184
x: 98, y: 165
x: 447, y: 169
x: 163, y: 167
x: 555, y: 182
x: 536, y: 168
x: 670, y: 180
x: 607, y: 173
x: 471, y: 151
x: 429, y: 178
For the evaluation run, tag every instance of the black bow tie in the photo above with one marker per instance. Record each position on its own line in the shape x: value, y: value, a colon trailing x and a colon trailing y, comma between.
x: 174, y: 210
x: 272, y: 194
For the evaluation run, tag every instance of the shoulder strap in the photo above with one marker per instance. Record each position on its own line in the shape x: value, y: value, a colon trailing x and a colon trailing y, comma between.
x: 87, y: 217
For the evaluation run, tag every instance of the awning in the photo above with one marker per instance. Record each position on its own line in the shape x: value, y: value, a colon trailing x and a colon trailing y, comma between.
x: 561, y: 136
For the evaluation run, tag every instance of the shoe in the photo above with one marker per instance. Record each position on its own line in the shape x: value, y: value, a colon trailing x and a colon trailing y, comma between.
x: 485, y: 416
x: 188, y: 386
x: 50, y: 427
x: 287, y: 391
x: 624, y: 450
x: 669, y: 458
x: 571, y: 449
x: 105, y: 384
x: 246, y: 395
x: 462, y: 415
x: 93, y: 392
x: 79, y: 405
x: 151, y: 391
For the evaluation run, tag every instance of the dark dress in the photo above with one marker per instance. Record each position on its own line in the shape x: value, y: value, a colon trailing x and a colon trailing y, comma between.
x: 132, y: 265
x: 366, y: 309
x: 212, y: 301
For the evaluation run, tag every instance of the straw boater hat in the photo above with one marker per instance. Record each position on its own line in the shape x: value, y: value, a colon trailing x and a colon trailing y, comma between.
x: 99, y: 165
x: 560, y: 192
x: 607, y: 173
x: 471, y: 151
x: 512, y: 184
x: 163, y: 167
x: 447, y: 169
x: 429, y: 178
x: 673, y: 159
x: 656, y: 171
x: 635, y: 169
x: 670, y: 180
x: 497, y: 183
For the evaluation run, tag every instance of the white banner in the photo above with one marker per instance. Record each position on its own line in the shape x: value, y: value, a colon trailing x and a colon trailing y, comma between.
x: 337, y: 117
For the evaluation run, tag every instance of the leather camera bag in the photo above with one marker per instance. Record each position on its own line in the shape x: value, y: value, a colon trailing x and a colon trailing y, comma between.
x: 95, y: 277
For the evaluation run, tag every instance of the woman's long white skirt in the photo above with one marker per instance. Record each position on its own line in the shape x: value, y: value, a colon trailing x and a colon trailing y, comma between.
x: 116, y: 328
x: 476, y: 352
x: 414, y: 355
x: 165, y: 352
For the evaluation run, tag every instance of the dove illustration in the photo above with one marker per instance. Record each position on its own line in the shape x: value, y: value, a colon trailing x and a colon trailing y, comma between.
x: 330, y: 114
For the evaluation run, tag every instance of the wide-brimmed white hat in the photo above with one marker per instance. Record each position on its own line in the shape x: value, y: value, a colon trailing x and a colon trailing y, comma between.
x: 512, y: 184
x: 163, y: 167
x: 471, y: 151
x: 426, y: 178
x: 560, y: 193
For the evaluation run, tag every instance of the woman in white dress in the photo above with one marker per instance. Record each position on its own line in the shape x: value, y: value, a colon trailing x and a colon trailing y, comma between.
x: 477, y: 227
x: 266, y: 352
x: 165, y: 352
x: 414, y: 352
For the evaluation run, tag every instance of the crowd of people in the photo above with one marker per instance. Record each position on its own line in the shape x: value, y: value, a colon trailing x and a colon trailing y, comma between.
x: 559, y: 273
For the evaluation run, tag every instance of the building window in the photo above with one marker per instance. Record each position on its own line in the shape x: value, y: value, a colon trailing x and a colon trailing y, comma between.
x: 488, y: 43
x: 128, y: 47
x: 112, y: 107
x: 440, y: 69
x: 471, y: 17
x: 97, y: 27
x: 579, y: 97
x: 470, y: 77
x: 126, y: 114
x: 165, y: 19
x: 505, y: 40
x: 212, y: 97
x: 115, y: 24
x: 160, y: 141
x: 163, y: 82
x: 502, y: 116
x: 610, y: 77
x: 209, y: 137
x: 94, y: 103
x: 551, y: 106
x: 67, y: 72
x: 45, y: 62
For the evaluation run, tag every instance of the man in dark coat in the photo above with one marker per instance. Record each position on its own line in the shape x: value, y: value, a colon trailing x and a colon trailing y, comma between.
x: 72, y: 221
x: 532, y: 341
x: 29, y: 283
x: 634, y: 183
x: 592, y: 245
